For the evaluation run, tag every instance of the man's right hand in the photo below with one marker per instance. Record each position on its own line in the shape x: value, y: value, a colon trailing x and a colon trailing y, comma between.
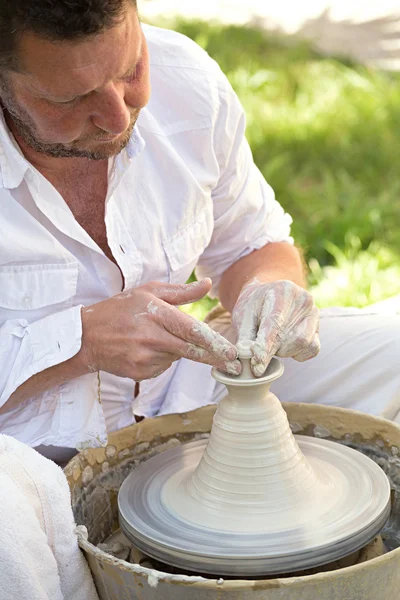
x: 140, y: 332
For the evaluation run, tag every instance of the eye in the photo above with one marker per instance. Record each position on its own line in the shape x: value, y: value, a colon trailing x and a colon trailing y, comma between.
x: 64, y: 103
x: 131, y: 76
x: 135, y: 74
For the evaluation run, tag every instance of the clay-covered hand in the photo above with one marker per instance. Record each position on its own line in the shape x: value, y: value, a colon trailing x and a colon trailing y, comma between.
x: 141, y: 332
x: 281, y: 319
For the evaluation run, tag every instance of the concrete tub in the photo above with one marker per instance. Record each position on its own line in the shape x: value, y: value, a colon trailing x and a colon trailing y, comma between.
x: 95, y: 477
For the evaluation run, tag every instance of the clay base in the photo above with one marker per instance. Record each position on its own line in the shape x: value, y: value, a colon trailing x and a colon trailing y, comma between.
x: 118, y: 545
x: 354, y: 502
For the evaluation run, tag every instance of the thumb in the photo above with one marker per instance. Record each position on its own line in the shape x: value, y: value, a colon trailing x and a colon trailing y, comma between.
x: 185, y: 293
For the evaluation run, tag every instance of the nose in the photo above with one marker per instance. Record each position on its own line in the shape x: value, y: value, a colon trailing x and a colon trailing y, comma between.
x: 111, y: 113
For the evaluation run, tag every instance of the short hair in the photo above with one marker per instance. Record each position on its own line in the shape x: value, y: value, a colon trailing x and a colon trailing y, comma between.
x: 55, y: 20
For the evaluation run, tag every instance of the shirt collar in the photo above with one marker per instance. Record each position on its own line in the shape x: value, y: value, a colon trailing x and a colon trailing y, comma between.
x: 13, y: 164
x: 120, y: 164
x: 136, y: 143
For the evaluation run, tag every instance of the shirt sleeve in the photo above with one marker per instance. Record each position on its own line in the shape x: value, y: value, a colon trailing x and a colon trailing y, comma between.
x: 28, y: 348
x: 246, y: 214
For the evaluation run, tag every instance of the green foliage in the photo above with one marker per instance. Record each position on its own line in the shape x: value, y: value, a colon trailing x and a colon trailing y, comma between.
x: 199, y: 310
x: 359, y: 278
x: 325, y: 135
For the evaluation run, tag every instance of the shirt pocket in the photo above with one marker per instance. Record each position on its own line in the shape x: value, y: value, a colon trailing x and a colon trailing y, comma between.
x: 185, y: 247
x: 33, y: 287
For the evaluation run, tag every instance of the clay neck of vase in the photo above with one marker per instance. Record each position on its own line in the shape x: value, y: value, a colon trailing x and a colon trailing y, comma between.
x: 249, y: 405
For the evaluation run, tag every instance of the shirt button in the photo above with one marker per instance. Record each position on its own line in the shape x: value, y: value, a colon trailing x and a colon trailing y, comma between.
x: 27, y: 300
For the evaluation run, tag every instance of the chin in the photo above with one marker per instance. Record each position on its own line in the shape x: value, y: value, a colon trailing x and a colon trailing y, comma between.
x: 104, y: 150
x: 93, y: 150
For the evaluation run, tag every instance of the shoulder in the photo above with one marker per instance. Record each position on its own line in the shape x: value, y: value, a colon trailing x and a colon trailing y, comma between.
x: 170, y: 49
x: 187, y: 84
x: 184, y: 79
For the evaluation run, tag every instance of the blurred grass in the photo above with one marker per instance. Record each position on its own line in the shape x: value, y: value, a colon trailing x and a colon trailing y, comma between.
x: 325, y: 133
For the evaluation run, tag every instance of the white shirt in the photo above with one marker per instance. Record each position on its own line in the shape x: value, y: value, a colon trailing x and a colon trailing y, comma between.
x: 185, y: 193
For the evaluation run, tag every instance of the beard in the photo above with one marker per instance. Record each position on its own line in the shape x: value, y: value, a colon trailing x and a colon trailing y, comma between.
x: 84, y: 148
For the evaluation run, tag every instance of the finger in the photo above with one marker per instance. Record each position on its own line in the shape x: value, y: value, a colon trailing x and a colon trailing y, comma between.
x: 187, y: 328
x: 310, y: 351
x: 197, y: 354
x: 267, y: 342
x: 271, y: 322
x: 177, y: 348
x: 259, y: 368
x: 301, y: 337
x: 246, y: 325
x: 264, y: 348
x: 178, y: 294
x: 246, y: 318
x: 279, y: 334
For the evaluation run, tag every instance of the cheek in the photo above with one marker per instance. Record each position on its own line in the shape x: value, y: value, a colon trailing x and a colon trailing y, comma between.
x: 55, y: 125
x: 50, y: 123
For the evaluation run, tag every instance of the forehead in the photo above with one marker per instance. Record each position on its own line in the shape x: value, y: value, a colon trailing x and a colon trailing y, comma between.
x: 62, y: 67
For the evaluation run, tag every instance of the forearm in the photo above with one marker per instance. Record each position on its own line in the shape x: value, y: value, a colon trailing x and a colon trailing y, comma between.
x: 47, y: 380
x: 273, y: 262
x: 137, y: 334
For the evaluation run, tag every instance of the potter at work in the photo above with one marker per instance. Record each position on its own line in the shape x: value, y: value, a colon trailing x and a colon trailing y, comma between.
x: 123, y: 167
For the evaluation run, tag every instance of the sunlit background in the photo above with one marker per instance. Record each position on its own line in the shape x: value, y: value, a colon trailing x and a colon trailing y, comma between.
x: 323, y: 121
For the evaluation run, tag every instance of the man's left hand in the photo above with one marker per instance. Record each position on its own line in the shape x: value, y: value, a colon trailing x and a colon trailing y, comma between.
x: 281, y: 319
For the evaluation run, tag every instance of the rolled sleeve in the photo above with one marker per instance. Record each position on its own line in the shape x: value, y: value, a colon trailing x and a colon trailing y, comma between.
x: 246, y: 214
x: 29, y: 348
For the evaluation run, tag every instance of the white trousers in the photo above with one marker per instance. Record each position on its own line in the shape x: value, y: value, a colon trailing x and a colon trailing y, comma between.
x: 358, y: 366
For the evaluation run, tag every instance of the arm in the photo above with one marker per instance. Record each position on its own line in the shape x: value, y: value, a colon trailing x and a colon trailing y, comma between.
x: 136, y: 334
x: 47, y: 380
x: 273, y: 262
x: 256, y: 273
x: 251, y: 229
x: 30, y: 348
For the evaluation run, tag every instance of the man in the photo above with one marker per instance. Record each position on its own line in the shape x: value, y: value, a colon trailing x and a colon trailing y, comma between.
x: 109, y: 197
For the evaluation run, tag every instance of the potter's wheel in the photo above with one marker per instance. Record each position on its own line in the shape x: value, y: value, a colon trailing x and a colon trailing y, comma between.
x: 254, y: 499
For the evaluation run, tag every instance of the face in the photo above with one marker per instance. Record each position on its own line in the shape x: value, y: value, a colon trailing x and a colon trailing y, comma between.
x: 79, y: 99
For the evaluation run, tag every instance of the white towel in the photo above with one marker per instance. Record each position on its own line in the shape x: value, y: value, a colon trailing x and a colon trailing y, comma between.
x: 39, y: 554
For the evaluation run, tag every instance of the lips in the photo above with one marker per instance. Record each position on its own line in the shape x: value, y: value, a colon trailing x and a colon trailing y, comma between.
x: 107, y: 139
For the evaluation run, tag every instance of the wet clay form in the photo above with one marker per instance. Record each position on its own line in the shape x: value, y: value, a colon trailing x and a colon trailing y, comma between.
x: 254, y: 499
